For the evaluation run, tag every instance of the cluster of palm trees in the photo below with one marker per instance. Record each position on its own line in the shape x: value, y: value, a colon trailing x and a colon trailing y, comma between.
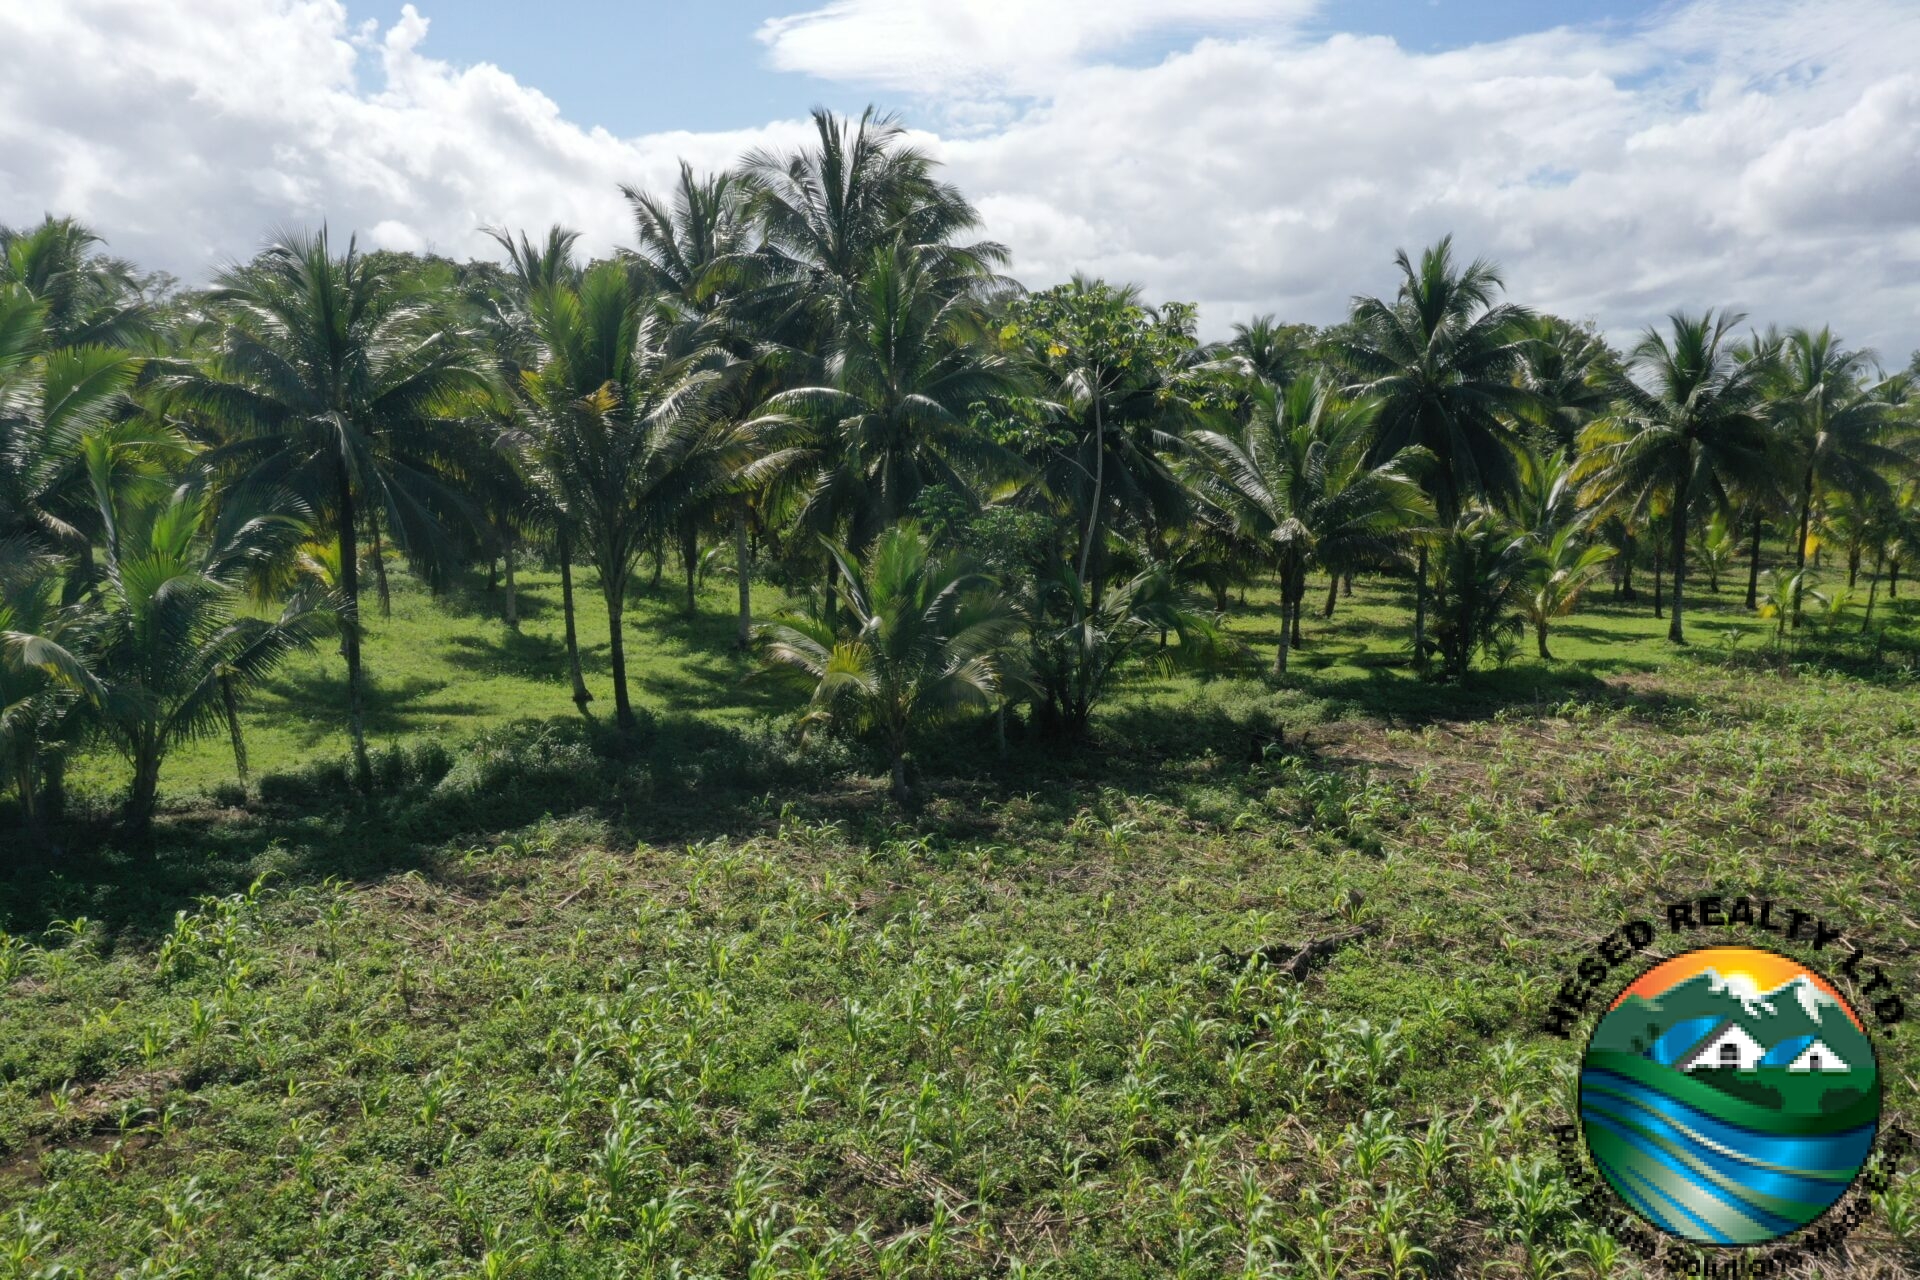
x: 812, y: 367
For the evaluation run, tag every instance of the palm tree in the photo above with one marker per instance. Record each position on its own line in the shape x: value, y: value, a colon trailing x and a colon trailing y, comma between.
x: 1482, y: 581
x: 824, y: 212
x: 918, y: 641
x: 335, y: 383
x: 1273, y: 352
x: 895, y: 413
x: 43, y: 680
x: 1444, y: 360
x: 616, y: 423
x: 1296, y: 484
x: 90, y: 299
x: 1568, y: 368
x: 172, y: 643
x: 1564, y: 566
x: 1839, y: 430
x: 1688, y: 425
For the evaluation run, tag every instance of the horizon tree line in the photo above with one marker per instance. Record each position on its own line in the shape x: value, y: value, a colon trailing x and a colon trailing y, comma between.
x: 991, y: 500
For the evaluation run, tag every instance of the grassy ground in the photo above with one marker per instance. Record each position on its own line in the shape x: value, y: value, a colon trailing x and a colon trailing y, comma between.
x: 554, y: 1004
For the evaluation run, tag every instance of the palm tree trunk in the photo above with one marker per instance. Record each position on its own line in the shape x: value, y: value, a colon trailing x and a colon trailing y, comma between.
x: 743, y: 569
x: 690, y: 561
x: 144, y: 789
x: 23, y: 779
x: 1873, y: 588
x: 1659, y: 580
x: 1800, y: 547
x: 898, y: 785
x: 614, y: 588
x: 511, y: 611
x: 1854, y: 551
x: 1099, y: 496
x: 1540, y: 638
x: 1346, y: 586
x: 581, y: 697
x: 1628, y: 547
x: 1893, y: 578
x: 1420, y: 609
x: 1333, y: 596
x: 350, y: 626
x: 379, y: 558
x: 1676, y: 630
x: 231, y: 706
x: 1753, y: 565
x: 1286, y: 627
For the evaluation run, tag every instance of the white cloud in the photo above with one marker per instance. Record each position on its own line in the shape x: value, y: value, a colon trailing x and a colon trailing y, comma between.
x: 1755, y: 153
x: 185, y: 130
x: 970, y: 46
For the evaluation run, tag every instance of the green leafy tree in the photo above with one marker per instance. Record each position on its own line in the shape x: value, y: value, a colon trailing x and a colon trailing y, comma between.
x: 1686, y: 426
x: 919, y: 639
x: 895, y: 414
x: 1120, y: 387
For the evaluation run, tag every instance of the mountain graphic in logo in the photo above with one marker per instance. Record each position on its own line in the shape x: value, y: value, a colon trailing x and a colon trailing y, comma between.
x: 1730, y: 1096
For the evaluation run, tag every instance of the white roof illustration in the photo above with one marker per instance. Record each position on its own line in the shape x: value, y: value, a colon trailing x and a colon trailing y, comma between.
x: 1818, y: 1057
x: 1730, y: 1046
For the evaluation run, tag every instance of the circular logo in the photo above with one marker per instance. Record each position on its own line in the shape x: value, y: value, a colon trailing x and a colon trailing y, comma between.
x: 1730, y: 1096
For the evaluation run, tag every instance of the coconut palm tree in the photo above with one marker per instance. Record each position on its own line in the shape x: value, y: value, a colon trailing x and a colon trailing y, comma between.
x: 1444, y: 360
x: 917, y: 641
x: 616, y: 427
x: 1567, y: 367
x: 334, y: 382
x: 1564, y: 566
x: 894, y: 414
x: 1273, y: 352
x: 1688, y: 424
x: 1482, y: 583
x: 44, y: 680
x: 172, y: 643
x: 90, y: 299
x: 1296, y: 484
x: 1840, y: 432
x: 824, y: 212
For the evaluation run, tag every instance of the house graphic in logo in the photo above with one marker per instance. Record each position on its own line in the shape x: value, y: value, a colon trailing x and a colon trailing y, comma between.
x: 1730, y: 1096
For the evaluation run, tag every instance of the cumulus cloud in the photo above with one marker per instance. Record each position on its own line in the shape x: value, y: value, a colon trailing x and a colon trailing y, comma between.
x: 185, y: 130
x: 1752, y: 153
x: 972, y: 46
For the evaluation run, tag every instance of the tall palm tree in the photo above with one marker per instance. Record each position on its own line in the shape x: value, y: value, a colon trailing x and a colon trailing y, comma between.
x: 616, y: 425
x: 334, y: 382
x: 1444, y: 360
x: 1296, y: 484
x: 1274, y: 352
x: 1840, y: 432
x: 824, y: 211
x: 918, y: 640
x: 1687, y: 424
x: 895, y: 412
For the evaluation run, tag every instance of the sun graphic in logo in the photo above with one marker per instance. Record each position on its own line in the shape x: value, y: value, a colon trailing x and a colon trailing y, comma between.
x: 1730, y: 1096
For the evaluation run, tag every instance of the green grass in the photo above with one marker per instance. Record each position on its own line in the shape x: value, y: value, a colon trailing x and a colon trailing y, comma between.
x: 557, y: 1004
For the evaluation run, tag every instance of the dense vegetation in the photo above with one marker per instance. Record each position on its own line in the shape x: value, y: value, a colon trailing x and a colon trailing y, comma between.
x: 1217, y: 885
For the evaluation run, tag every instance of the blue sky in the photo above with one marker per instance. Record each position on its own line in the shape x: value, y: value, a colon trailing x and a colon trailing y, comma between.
x: 700, y: 66
x: 1249, y: 155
